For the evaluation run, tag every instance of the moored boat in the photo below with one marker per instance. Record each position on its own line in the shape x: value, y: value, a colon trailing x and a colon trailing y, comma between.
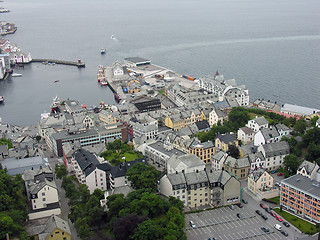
x: 1, y: 99
x: 103, y: 51
x: 55, y: 105
x: 16, y: 75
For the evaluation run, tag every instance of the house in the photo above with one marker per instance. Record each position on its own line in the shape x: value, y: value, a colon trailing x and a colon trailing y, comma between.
x: 117, y: 69
x: 238, y: 167
x: 201, y: 126
x: 146, y: 104
x: 266, y: 105
x: 257, y: 123
x: 201, y: 188
x: 259, y: 179
x: 265, y: 136
x: 308, y: 169
x: 283, y: 130
x: 136, y: 61
x: 216, y: 115
x: 256, y: 160
x: 300, y: 196
x: 217, y: 160
x: 118, y: 174
x: 274, y: 154
x: 54, y: 228
x: 4, y: 152
x: 109, y: 117
x: 90, y: 170
x: 298, y: 110
x: 245, y: 135
x: 186, y: 163
x: 223, y: 141
x: 42, y: 193
x: 203, y: 150
x: 20, y: 57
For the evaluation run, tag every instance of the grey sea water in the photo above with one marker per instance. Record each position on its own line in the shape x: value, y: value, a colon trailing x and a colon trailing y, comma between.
x: 272, y: 47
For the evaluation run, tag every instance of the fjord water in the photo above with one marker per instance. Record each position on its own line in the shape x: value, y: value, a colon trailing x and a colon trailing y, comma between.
x: 272, y: 47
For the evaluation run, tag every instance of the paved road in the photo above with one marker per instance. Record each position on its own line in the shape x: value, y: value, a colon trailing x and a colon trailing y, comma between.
x: 63, y: 202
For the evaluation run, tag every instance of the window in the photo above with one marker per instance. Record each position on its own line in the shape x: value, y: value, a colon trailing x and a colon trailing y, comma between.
x: 57, y: 232
x: 43, y: 194
x: 43, y: 199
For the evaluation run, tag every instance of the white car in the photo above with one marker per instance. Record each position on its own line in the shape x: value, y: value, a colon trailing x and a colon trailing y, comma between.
x: 192, y: 224
x: 278, y: 227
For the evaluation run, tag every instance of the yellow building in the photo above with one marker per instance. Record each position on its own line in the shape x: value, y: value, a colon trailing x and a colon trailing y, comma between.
x: 183, y: 119
x: 237, y: 167
x: 223, y: 141
x: 55, y: 228
x: 259, y: 179
x: 203, y: 150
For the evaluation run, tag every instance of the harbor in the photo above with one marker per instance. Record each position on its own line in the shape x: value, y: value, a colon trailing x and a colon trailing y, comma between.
x: 78, y: 64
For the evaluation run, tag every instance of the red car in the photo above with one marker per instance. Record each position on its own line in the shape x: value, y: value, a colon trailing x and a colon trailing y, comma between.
x: 278, y: 218
x: 263, y: 206
x: 273, y: 214
x: 280, y: 174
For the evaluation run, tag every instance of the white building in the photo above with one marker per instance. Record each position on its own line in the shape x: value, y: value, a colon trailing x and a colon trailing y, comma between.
x: 274, y: 154
x: 186, y: 163
x: 257, y: 123
x: 308, y: 169
x: 265, y: 136
x: 245, y: 135
x: 217, y: 160
x: 215, y: 116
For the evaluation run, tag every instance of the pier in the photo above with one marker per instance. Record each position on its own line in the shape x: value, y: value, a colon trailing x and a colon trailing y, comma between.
x: 78, y: 64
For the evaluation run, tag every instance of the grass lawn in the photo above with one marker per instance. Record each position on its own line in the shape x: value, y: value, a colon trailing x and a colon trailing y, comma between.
x: 301, y: 224
x: 275, y: 200
x: 128, y: 156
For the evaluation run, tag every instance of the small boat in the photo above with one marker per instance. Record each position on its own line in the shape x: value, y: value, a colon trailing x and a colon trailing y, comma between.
x: 16, y: 75
x: 103, y: 50
x: 1, y: 99
x: 112, y: 37
x: 55, y: 81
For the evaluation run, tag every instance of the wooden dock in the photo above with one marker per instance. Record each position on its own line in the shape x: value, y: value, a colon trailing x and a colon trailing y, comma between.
x: 47, y: 61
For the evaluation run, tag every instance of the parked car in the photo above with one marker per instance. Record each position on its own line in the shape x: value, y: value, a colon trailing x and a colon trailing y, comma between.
x: 192, y: 224
x: 244, y: 201
x: 258, y: 212
x: 264, y: 217
x: 278, y: 218
x: 286, y: 224
x: 262, y: 205
x: 265, y: 229
x: 280, y: 174
x: 272, y: 214
x: 268, y: 210
x: 284, y: 233
x: 239, y: 205
x: 275, y: 171
x: 239, y: 215
x: 212, y: 238
x: 278, y: 227
x: 231, y: 207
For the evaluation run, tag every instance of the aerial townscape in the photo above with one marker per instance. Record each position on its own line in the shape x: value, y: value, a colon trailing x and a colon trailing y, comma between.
x: 175, y: 157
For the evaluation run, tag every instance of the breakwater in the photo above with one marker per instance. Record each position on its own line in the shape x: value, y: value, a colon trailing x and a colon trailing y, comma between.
x: 78, y: 64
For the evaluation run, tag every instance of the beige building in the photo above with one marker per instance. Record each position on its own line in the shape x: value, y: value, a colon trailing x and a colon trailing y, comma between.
x: 260, y: 180
x: 184, y: 119
x: 108, y: 117
x: 201, y: 188
x: 223, y: 141
x: 203, y: 150
x: 238, y: 167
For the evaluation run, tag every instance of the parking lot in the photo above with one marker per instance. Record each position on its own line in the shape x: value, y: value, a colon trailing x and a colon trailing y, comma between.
x: 222, y: 223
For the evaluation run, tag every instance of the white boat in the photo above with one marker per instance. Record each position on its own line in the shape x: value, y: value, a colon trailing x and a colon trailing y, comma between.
x: 112, y: 37
x: 1, y: 99
x: 16, y: 75
x: 103, y: 50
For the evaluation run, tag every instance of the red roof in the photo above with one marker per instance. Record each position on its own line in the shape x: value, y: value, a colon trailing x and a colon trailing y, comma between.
x: 285, y: 114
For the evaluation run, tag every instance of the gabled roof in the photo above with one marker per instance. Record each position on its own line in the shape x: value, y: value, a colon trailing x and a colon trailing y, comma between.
x: 218, y: 176
x: 237, y: 163
x: 51, y: 224
x: 268, y: 133
x: 188, y: 160
x: 246, y: 130
x: 256, y: 174
x: 261, y: 121
x: 86, y: 160
x: 308, y: 166
x: 227, y: 138
x: 176, y: 178
x: 202, y: 125
x: 121, y: 170
x: 196, y: 177
x: 277, y: 148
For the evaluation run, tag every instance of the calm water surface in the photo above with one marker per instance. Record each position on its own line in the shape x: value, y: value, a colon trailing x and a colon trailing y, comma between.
x: 273, y: 47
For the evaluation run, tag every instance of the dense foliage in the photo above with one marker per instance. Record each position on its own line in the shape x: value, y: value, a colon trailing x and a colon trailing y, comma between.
x: 13, y: 212
x: 86, y: 212
x: 148, y: 215
x: 4, y: 141
x: 142, y: 176
x: 61, y: 171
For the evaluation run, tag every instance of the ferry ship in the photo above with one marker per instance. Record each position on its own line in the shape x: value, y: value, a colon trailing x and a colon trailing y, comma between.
x: 55, y: 105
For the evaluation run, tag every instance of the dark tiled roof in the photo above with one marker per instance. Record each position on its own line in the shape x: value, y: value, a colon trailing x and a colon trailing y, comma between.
x: 201, y: 125
x: 227, y: 138
x: 121, y: 170
x: 86, y: 160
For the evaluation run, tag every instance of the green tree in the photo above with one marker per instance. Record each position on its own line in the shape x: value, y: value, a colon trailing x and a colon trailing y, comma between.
x: 98, y: 193
x: 300, y: 126
x: 313, y: 153
x: 146, y: 231
x: 125, y: 226
x: 314, y: 120
x: 142, y: 176
x: 61, y: 171
x: 82, y: 227
x: 292, y: 163
x: 239, y: 117
x: 6, y: 226
x: 84, y: 193
x: 8, y: 142
x: 38, y: 138
x: 94, y: 211
x: 234, y: 151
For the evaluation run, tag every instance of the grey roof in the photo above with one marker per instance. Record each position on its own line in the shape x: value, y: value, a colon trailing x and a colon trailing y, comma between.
x: 18, y: 166
x: 159, y: 147
x: 254, y: 156
x: 217, y: 156
x: 268, y: 133
x: 137, y: 60
x: 29, y: 175
x: 246, y: 130
x: 36, y: 187
x: 202, y: 125
x: 298, y: 109
x: 309, y: 166
x: 304, y: 184
x: 221, y: 105
x: 176, y: 178
x: 189, y: 160
x: 261, y: 121
x: 282, y: 127
x: 125, y: 190
x: 196, y: 177
x: 237, y: 163
x: 276, y: 149
x: 227, y: 138
x: 218, y: 176
x: 257, y: 173
x: 51, y: 224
